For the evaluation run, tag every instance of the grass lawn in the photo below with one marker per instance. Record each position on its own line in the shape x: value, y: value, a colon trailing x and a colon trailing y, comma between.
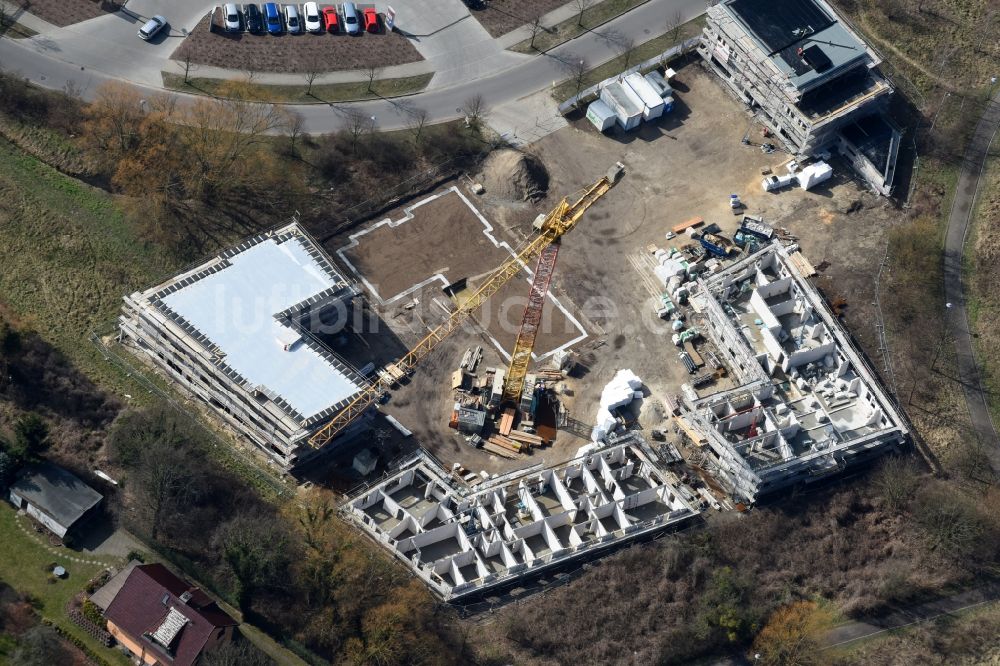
x: 297, y: 94
x: 643, y: 51
x: 24, y: 566
x: 68, y: 256
x: 599, y: 14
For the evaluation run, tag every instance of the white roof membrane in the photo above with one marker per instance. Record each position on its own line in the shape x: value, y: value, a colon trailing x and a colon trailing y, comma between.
x: 234, y: 308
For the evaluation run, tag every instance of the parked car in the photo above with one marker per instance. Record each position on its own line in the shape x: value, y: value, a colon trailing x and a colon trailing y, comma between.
x: 231, y: 18
x: 310, y: 12
x: 351, y: 25
x: 272, y: 18
x: 292, y: 19
x: 370, y: 19
x: 330, y: 19
x: 151, y: 27
x: 252, y: 15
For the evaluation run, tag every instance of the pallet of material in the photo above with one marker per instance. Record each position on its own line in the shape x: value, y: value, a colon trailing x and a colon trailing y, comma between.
x: 507, y: 422
x: 499, y: 450
x: 509, y: 444
x: 527, y: 438
x: 693, y: 353
x: 683, y: 226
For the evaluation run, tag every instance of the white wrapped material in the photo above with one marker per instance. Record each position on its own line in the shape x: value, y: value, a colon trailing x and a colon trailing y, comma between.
x: 661, y: 274
x: 623, y: 388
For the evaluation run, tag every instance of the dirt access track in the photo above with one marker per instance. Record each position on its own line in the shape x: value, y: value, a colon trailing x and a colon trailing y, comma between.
x: 438, y: 242
x: 307, y: 52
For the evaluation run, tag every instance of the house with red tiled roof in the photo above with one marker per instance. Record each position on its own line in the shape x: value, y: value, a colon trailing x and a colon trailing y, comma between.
x: 163, y: 620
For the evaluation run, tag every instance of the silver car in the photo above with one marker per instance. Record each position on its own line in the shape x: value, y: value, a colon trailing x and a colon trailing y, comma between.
x: 351, y: 24
x: 151, y: 27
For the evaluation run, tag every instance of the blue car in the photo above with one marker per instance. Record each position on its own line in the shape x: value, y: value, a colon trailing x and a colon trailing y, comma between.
x: 272, y: 18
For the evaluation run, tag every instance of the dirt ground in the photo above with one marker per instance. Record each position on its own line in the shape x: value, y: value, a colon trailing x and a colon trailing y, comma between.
x: 292, y: 53
x: 501, y: 16
x: 69, y: 12
x: 443, y: 237
x: 684, y: 165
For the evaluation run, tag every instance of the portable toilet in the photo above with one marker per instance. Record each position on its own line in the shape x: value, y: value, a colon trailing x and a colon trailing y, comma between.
x: 625, y: 104
x: 652, y: 103
x: 600, y: 115
x: 668, y: 104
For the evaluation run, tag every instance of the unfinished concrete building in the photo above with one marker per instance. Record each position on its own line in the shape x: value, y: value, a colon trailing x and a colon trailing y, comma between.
x: 807, y: 405
x: 808, y: 77
x: 463, y: 541
x: 242, y: 330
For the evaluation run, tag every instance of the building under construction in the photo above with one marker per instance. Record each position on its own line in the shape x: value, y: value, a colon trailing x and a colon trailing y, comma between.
x: 805, y: 406
x: 242, y: 331
x: 808, y: 78
x: 463, y: 541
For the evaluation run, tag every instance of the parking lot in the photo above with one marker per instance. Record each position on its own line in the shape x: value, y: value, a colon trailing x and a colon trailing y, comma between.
x: 286, y: 52
x: 686, y: 164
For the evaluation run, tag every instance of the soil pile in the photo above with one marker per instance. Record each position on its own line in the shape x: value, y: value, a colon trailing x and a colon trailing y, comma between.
x: 514, y: 176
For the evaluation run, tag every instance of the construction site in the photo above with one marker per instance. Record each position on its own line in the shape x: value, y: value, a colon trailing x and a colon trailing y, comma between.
x: 589, y: 341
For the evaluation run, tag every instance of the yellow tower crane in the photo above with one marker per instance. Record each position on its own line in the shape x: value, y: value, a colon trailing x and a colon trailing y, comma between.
x: 559, y: 221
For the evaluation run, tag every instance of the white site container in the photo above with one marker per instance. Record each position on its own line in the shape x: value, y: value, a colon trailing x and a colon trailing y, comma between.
x: 600, y: 115
x: 652, y: 103
x: 626, y: 105
x: 814, y: 174
x: 656, y: 80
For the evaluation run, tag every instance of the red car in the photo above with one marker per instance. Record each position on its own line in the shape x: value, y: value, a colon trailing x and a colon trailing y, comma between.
x: 330, y: 19
x: 370, y: 17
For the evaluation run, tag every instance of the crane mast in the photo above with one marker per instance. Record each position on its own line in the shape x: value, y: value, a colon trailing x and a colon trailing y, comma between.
x: 560, y: 220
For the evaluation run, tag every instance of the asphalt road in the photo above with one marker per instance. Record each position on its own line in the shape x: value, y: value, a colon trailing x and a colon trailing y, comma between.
x: 56, y: 69
x: 958, y: 318
x: 910, y: 615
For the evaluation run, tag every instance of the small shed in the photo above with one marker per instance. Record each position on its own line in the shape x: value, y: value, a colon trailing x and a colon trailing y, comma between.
x: 471, y: 421
x: 54, y: 497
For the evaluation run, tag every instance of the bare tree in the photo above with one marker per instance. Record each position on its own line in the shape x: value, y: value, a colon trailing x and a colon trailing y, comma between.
x: 581, y: 6
x: 186, y: 66
x: 674, y: 25
x: 357, y: 122
x: 577, y: 68
x: 373, y: 73
x: 625, y: 46
x: 312, y: 72
x: 294, y: 131
x: 536, y: 27
x: 474, y: 109
x: 416, y: 121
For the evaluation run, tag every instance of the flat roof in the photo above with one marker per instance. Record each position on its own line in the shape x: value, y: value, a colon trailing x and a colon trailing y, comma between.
x: 239, y: 307
x: 782, y: 27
